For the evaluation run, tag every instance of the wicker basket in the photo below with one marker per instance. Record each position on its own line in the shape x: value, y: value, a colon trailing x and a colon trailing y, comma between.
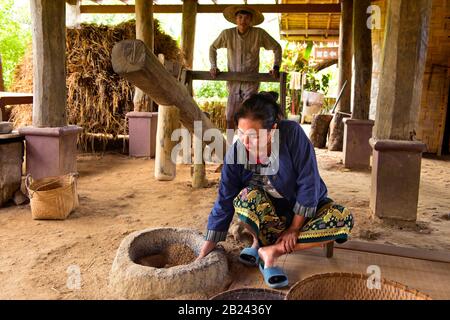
x: 52, y: 198
x: 350, y: 286
x: 250, y: 294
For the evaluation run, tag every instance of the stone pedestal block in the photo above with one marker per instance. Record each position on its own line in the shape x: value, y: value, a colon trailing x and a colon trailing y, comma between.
x: 357, y: 150
x: 142, y: 131
x: 51, y: 151
x: 395, y: 179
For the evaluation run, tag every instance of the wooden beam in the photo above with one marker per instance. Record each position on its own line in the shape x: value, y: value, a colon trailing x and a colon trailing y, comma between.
x: 218, y: 8
x: 188, y: 32
x: 362, y: 57
x: 12, y: 98
x: 234, y: 76
x: 330, y: 38
x: 413, y: 253
x: 49, y: 60
x: 132, y: 60
x: 309, y: 32
x: 328, y: 24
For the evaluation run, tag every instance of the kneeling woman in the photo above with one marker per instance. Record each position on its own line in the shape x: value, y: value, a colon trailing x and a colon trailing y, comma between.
x: 281, y: 198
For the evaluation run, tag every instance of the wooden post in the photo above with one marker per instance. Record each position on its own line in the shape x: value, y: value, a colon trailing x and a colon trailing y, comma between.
x: 168, y: 121
x: 188, y: 32
x: 358, y: 130
x: 404, y: 58
x: 345, y: 74
x: 144, y: 32
x: 362, y: 44
x: 49, y: 57
x: 73, y: 13
x: 283, y: 92
x: 187, y: 47
x: 397, y: 155
x: 2, y: 84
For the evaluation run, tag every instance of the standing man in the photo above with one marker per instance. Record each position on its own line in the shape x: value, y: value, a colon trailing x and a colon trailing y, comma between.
x: 243, y: 44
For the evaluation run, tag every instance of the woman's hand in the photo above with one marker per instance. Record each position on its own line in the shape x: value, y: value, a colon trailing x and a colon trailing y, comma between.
x: 288, y: 238
x: 207, y: 247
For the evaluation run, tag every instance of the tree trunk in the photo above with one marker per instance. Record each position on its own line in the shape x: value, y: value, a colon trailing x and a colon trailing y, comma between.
x: 319, y: 130
x: 345, y: 75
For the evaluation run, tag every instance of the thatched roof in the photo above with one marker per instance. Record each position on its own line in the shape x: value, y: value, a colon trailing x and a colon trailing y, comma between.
x: 310, y: 26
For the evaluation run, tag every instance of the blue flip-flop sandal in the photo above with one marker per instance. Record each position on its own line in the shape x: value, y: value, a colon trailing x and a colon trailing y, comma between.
x: 274, y: 277
x: 249, y: 257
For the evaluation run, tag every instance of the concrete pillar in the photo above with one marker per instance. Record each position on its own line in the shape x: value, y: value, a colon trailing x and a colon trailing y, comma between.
x: 397, y: 156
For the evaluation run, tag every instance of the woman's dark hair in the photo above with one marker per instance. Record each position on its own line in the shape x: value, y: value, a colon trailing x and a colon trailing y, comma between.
x: 262, y: 106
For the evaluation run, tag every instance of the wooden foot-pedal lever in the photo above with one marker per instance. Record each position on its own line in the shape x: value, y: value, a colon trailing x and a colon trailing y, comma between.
x: 328, y: 249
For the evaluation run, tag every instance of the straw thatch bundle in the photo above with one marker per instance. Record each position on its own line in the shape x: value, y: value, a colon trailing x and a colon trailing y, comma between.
x: 216, y: 111
x: 97, y: 98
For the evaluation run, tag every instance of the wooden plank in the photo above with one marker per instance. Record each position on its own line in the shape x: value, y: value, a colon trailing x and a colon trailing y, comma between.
x: 234, y: 76
x: 219, y: 8
x: 12, y: 98
x: 421, y: 254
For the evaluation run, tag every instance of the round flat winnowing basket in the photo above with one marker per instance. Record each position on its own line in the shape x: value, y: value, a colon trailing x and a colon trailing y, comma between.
x: 250, y: 294
x: 351, y: 286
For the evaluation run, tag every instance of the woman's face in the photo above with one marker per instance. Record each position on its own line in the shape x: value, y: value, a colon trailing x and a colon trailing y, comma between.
x: 254, y: 137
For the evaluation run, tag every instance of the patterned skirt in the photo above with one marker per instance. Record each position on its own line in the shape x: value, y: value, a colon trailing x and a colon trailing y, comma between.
x: 254, y: 208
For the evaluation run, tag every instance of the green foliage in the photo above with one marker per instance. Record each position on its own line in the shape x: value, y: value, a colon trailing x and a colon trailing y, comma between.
x: 212, y: 89
x: 15, y: 36
x: 317, y: 82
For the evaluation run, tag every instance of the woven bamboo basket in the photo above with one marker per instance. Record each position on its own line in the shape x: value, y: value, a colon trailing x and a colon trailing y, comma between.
x: 250, y: 294
x: 350, y: 286
x: 52, y: 198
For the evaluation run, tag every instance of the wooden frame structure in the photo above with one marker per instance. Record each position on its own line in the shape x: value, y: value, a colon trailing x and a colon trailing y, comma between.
x: 243, y: 77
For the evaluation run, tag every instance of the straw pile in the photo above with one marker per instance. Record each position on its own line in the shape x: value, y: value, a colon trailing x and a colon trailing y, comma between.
x: 97, y: 98
x: 216, y: 111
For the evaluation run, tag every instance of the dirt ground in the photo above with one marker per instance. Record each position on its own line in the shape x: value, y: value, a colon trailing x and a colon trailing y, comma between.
x: 119, y: 195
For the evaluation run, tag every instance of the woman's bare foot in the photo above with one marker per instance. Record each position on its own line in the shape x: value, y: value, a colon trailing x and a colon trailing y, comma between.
x: 269, y: 254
